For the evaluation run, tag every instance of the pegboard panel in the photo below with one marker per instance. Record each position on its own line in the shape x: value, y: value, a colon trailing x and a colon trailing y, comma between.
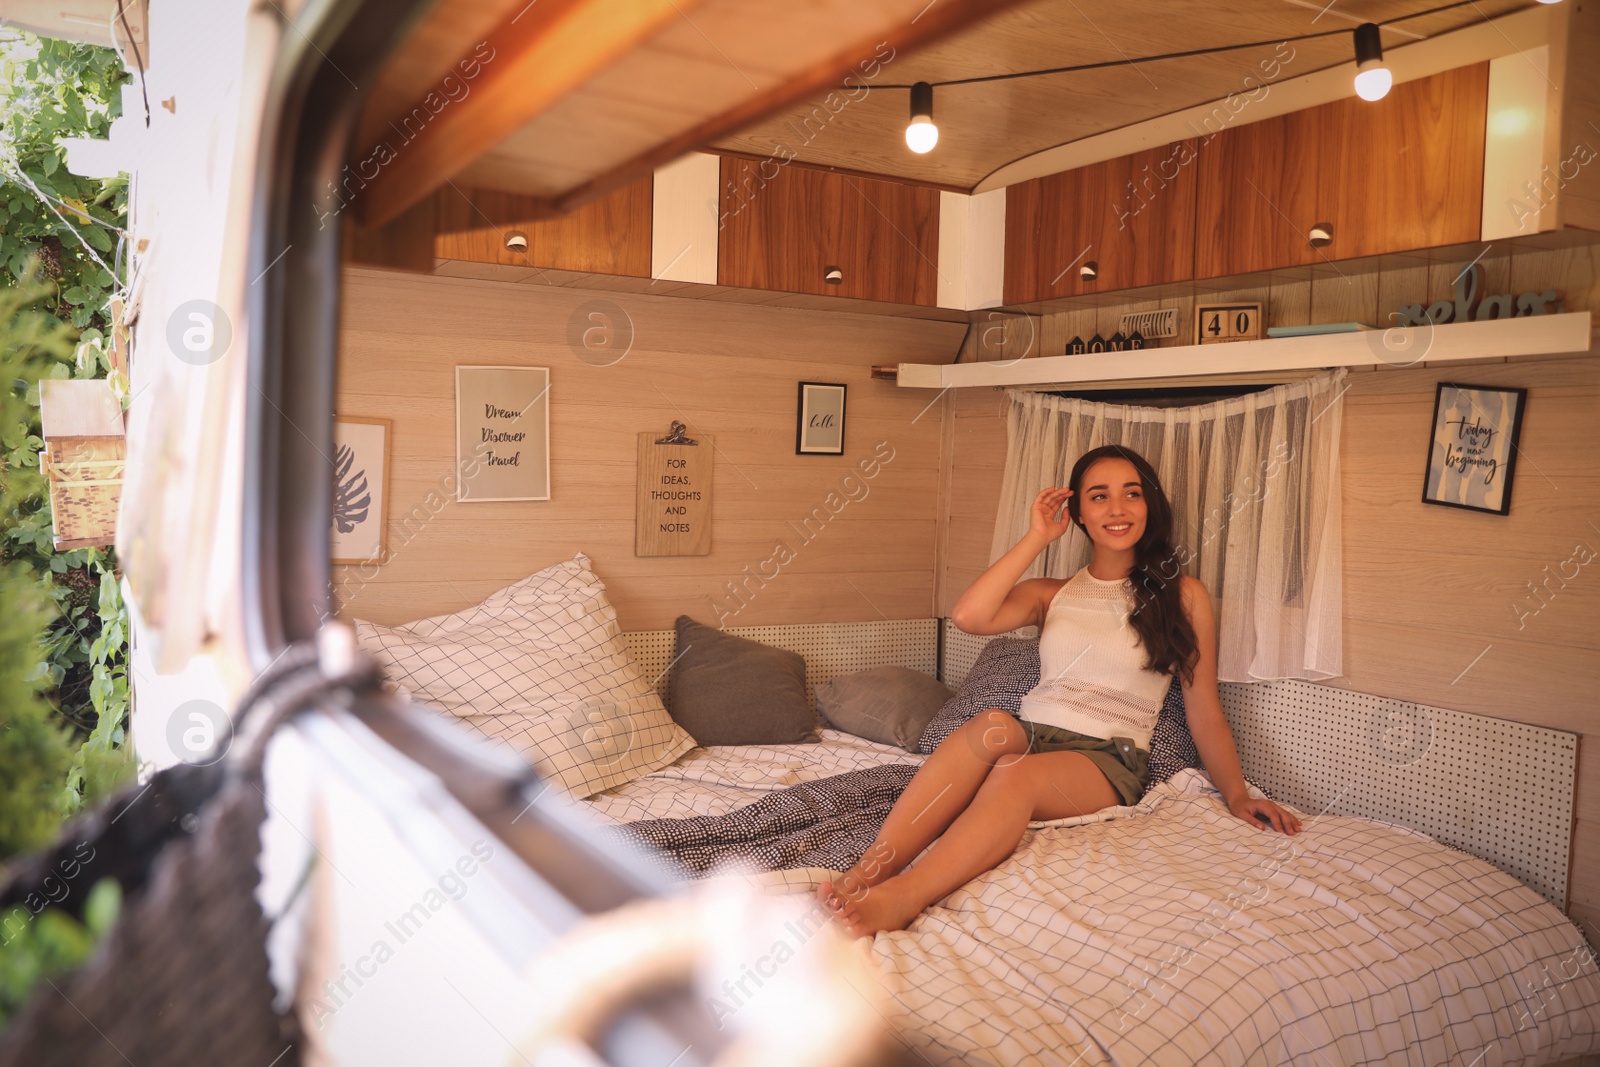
x: 830, y: 649
x: 958, y: 650
x: 1497, y: 789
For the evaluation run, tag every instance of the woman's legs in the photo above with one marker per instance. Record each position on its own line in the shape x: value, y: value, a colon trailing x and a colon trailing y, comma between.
x: 942, y: 787
x: 1052, y: 785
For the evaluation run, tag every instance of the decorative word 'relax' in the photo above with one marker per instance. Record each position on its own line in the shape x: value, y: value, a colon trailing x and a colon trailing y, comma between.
x: 1461, y: 309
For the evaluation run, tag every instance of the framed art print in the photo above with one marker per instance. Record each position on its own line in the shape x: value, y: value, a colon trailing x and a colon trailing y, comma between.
x: 819, y: 424
x: 1472, y: 453
x: 360, y: 490
x: 502, y: 433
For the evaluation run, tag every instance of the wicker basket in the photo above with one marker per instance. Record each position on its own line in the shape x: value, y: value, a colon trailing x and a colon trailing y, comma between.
x: 85, y: 475
x: 83, y: 430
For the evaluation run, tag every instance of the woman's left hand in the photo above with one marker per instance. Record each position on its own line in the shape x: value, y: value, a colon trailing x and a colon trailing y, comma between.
x: 1263, y: 813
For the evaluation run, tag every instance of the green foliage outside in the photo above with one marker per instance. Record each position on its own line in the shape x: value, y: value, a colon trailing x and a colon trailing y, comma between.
x: 36, y: 749
x: 63, y: 629
x: 48, y: 943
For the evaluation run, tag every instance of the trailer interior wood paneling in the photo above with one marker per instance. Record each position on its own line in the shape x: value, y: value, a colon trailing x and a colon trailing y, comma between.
x: 863, y: 546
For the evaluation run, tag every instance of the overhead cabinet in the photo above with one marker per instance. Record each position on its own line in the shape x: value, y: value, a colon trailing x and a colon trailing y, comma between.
x: 1129, y: 220
x: 786, y: 227
x: 1403, y: 173
x: 1397, y: 175
x: 610, y: 235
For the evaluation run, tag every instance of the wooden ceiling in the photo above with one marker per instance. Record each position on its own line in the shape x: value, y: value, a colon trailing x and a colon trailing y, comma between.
x: 565, y: 100
x: 986, y: 125
x: 584, y: 95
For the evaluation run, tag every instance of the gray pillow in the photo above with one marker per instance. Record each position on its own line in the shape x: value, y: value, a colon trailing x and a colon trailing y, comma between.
x: 890, y: 705
x: 729, y: 690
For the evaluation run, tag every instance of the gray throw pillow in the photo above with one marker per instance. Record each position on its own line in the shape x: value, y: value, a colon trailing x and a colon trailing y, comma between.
x: 729, y: 690
x: 890, y: 705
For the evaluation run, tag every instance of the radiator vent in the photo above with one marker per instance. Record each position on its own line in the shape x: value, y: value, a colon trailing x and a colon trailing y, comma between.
x: 1152, y: 325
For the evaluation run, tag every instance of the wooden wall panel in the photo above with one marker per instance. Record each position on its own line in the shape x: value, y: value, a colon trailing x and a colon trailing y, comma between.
x: 727, y: 370
x: 1133, y: 216
x: 782, y: 227
x: 977, y: 464
x: 1427, y: 589
x: 607, y: 236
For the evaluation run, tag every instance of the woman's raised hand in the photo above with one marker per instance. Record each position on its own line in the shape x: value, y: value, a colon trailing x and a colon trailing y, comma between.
x: 1045, y: 506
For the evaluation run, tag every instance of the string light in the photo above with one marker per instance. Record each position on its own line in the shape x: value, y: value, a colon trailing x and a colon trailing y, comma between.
x: 921, y: 133
x: 1372, y: 77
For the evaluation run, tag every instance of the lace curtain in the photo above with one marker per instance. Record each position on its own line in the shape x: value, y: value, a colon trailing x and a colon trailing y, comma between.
x: 1254, y: 487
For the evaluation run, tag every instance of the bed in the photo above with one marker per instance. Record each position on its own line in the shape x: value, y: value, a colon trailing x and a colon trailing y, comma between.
x: 1170, y: 932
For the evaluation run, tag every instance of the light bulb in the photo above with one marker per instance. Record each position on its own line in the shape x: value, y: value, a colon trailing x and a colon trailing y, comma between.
x: 1373, y: 83
x: 1372, y: 77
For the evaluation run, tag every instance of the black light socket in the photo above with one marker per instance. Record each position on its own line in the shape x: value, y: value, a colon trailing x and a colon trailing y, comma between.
x: 922, y: 101
x: 1369, y: 45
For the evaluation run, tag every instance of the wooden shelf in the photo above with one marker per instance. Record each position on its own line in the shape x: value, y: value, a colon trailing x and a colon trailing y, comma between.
x: 1534, y: 335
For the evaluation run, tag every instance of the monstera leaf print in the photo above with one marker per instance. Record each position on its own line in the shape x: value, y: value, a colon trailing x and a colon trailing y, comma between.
x: 351, y: 498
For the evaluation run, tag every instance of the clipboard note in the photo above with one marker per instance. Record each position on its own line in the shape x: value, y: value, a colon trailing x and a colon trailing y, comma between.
x: 673, y: 513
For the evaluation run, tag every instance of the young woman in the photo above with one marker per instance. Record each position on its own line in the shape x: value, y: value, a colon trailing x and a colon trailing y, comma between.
x: 1111, y: 639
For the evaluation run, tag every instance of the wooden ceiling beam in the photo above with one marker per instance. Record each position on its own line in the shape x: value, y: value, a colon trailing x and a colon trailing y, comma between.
x: 536, y: 58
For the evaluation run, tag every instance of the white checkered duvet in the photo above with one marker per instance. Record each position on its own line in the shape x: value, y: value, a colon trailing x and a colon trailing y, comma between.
x: 1173, y: 933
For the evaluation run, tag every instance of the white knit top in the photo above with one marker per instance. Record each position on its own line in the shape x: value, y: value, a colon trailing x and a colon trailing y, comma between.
x: 1091, y: 665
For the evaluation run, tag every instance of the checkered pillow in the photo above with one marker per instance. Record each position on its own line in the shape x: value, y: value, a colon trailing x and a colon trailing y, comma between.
x: 1009, y: 666
x: 540, y: 666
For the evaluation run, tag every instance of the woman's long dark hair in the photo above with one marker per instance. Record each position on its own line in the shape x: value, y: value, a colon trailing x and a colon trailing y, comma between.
x: 1169, y: 640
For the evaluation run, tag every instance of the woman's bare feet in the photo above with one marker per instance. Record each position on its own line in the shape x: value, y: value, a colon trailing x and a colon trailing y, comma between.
x: 863, y: 910
x: 875, y: 865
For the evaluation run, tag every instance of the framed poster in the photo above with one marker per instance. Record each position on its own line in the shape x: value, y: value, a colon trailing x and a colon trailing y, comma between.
x: 360, y: 490
x: 1473, y: 451
x: 502, y: 433
x: 819, y: 424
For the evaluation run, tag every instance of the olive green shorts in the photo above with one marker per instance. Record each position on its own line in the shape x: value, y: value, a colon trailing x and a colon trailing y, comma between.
x: 1125, y: 765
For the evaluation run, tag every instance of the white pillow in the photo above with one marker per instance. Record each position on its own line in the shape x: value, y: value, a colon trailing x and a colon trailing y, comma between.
x: 540, y: 665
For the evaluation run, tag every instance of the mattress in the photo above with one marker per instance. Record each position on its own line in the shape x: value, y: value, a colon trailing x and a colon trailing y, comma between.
x: 1171, y: 932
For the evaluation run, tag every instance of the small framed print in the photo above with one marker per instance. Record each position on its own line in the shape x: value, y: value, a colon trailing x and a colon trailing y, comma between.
x: 502, y: 433
x: 1472, y: 453
x: 1216, y: 323
x: 819, y: 426
x: 360, y: 490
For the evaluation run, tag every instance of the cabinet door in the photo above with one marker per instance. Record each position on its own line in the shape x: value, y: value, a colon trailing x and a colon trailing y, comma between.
x: 1257, y: 196
x: 610, y: 235
x: 771, y: 233
x: 1133, y: 217
x: 890, y: 241
x: 782, y: 227
x: 1406, y: 172
x: 1398, y: 174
